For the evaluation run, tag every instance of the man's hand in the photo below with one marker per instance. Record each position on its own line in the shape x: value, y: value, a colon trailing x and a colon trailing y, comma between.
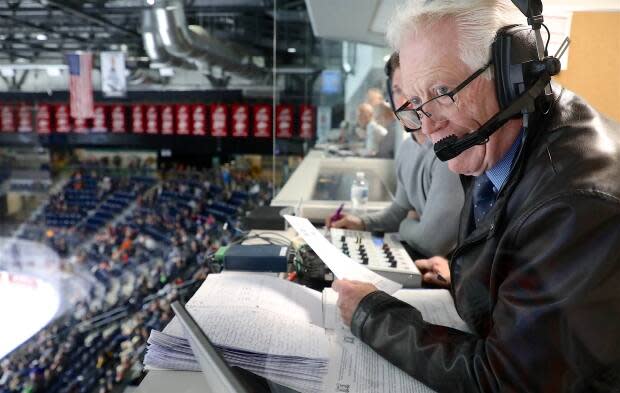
x: 435, y: 270
x: 348, y: 221
x: 413, y: 215
x: 350, y: 293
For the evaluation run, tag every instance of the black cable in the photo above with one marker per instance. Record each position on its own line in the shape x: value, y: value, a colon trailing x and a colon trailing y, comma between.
x: 548, y: 39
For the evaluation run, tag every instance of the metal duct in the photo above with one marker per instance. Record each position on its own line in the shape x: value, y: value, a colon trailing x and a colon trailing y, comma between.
x: 153, y: 45
x: 195, y: 45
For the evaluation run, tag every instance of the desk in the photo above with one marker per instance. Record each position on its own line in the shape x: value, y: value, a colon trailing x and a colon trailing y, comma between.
x: 160, y: 381
x: 310, y: 183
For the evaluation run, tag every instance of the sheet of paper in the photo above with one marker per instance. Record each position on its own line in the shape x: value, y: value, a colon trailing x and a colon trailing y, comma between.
x: 257, y: 331
x: 341, y: 265
x: 260, y: 291
x: 356, y: 368
x: 436, y: 305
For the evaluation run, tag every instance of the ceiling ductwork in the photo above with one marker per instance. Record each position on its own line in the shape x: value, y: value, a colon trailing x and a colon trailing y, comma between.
x: 153, y: 47
x: 169, y: 40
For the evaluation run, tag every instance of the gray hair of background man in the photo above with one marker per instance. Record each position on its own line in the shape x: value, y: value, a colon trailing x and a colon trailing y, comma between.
x: 477, y: 22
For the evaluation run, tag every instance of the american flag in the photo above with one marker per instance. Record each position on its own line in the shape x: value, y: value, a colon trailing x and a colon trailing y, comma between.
x: 81, y: 85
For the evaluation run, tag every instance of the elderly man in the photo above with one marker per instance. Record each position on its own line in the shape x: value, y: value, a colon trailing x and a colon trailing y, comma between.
x: 428, y: 196
x: 536, y: 271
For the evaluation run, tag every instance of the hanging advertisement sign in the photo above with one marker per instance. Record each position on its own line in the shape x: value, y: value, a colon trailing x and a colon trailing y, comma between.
x: 113, y: 80
x: 199, y: 120
x: 167, y: 119
x: 284, y: 121
x: 306, y: 121
x: 117, y: 118
x: 262, y: 121
x: 61, y: 115
x: 219, y: 120
x: 240, y: 121
x: 182, y: 125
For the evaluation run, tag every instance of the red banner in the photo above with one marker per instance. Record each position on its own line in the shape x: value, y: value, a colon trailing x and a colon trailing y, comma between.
x: 167, y: 119
x: 8, y: 118
x: 117, y: 117
x: 100, y: 123
x: 199, y: 120
x: 262, y: 121
x: 24, y: 118
x: 152, y: 119
x: 219, y: 120
x: 44, y: 119
x: 284, y: 121
x: 182, y: 117
x: 240, y: 120
x: 63, y: 123
x: 80, y: 125
x: 306, y: 121
x: 138, y: 125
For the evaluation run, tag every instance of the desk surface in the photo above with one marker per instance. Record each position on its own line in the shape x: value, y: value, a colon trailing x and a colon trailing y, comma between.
x: 303, y: 183
x: 159, y: 381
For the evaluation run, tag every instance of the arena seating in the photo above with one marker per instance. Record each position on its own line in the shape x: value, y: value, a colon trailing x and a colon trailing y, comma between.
x: 146, y: 243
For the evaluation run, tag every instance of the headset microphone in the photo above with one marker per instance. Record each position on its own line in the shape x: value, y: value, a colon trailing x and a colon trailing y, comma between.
x: 522, y: 75
x: 450, y: 146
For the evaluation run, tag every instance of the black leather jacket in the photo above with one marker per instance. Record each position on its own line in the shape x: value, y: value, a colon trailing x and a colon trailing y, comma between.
x: 538, y: 282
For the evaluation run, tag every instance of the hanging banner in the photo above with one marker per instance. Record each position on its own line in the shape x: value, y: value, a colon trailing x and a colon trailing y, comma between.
x: 113, y: 80
x: 262, y: 121
x: 152, y: 119
x: 100, y: 120
x: 80, y: 126
x: 306, y: 121
x: 219, y: 120
x: 284, y: 121
x: 44, y: 119
x: 8, y: 118
x: 24, y: 118
x: 167, y: 119
x: 137, y: 119
x: 182, y: 119
x: 199, y: 120
x: 240, y: 120
x: 117, y: 118
x: 81, y: 84
x: 61, y: 115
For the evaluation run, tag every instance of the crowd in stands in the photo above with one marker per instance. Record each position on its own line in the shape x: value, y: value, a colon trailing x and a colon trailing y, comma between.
x: 154, y: 250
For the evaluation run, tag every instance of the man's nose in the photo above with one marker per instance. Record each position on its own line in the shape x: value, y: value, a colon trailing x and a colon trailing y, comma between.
x: 431, y: 125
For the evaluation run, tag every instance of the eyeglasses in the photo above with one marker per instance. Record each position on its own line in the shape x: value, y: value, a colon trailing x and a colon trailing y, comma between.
x: 411, y: 118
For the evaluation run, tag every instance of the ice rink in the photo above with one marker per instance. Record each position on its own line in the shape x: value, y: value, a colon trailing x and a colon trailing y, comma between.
x: 26, y: 305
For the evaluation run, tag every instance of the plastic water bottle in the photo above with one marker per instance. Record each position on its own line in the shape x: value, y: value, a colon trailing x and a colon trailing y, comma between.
x: 359, y: 193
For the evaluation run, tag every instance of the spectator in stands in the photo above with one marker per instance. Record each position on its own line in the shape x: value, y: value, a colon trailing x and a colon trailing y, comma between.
x: 374, y: 97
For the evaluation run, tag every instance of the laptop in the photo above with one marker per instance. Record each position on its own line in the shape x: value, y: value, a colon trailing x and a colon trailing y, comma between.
x: 220, y: 377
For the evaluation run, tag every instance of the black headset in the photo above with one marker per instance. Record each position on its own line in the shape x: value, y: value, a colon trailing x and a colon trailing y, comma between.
x: 521, y: 80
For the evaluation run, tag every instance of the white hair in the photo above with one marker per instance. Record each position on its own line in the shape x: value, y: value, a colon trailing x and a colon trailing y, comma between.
x: 477, y: 22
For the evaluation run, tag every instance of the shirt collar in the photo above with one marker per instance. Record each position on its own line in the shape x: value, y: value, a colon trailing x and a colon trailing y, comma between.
x: 500, y: 171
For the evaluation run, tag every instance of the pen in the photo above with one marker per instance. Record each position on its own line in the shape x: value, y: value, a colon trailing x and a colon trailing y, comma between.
x: 336, y: 216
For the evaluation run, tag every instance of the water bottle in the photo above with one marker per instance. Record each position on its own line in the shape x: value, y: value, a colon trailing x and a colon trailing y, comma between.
x: 359, y: 193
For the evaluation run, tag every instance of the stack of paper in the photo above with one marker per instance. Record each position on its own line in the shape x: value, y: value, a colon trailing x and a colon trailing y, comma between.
x: 263, y: 324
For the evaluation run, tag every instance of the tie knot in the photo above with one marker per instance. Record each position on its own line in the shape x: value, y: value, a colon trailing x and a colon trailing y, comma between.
x: 484, y: 194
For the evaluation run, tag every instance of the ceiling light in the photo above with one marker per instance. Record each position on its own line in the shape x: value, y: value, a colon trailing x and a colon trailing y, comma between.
x: 7, y: 72
x: 41, y: 37
x: 150, y: 2
x: 53, y: 71
x: 291, y: 50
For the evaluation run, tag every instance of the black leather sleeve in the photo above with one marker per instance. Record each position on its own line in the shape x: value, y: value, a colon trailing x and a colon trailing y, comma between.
x: 555, y: 324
